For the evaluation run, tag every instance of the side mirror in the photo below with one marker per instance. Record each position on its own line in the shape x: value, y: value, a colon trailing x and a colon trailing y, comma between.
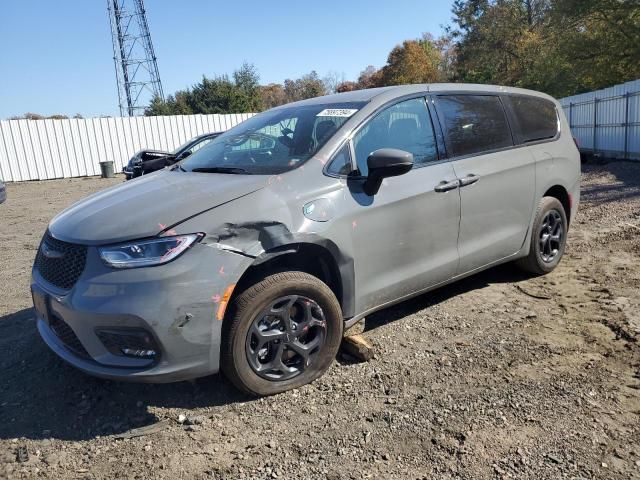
x: 383, y: 163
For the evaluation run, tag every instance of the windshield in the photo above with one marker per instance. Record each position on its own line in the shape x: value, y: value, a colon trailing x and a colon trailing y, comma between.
x: 274, y: 141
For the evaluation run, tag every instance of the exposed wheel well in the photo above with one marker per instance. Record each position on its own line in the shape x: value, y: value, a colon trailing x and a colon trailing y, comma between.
x: 305, y: 257
x: 559, y: 192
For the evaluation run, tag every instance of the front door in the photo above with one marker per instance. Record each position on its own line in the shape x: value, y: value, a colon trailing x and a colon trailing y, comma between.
x: 405, y: 236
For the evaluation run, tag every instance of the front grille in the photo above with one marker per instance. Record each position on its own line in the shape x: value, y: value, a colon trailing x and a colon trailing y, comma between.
x: 60, y: 263
x: 67, y: 336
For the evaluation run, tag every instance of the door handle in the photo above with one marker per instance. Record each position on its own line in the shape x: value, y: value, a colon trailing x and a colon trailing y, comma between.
x: 445, y: 186
x: 469, y: 180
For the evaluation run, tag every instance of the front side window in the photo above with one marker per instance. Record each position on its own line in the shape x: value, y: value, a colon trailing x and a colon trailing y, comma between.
x: 537, y: 118
x: 341, y: 163
x: 405, y: 126
x: 473, y: 123
x: 274, y: 141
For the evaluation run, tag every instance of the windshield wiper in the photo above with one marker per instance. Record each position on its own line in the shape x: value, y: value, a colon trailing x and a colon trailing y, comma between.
x: 231, y: 170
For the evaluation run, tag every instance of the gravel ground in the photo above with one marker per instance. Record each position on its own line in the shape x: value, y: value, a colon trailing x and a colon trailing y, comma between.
x: 498, y: 376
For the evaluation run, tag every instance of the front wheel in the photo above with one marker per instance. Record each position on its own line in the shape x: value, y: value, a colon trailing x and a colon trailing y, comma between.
x: 283, y: 332
x: 548, y: 238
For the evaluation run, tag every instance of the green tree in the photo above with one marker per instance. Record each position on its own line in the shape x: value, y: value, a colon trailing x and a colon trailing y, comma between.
x: 600, y: 40
x: 247, y: 80
x: 561, y: 47
x: 159, y: 107
x: 214, y: 95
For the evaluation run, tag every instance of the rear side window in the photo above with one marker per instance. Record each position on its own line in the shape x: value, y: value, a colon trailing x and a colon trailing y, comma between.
x: 473, y: 123
x: 537, y: 118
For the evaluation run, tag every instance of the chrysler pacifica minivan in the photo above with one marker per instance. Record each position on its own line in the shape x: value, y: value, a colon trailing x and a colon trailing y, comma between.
x: 254, y: 254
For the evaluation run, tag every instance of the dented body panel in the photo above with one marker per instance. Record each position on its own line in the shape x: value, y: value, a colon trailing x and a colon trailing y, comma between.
x: 404, y: 240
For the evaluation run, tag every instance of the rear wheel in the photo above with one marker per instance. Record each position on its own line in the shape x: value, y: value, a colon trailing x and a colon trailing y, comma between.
x: 283, y: 332
x: 548, y: 238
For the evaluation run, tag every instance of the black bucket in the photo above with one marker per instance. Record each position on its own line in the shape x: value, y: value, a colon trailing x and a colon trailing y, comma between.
x: 106, y: 169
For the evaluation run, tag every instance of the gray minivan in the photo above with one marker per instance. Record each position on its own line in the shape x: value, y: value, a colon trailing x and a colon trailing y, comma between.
x: 255, y: 253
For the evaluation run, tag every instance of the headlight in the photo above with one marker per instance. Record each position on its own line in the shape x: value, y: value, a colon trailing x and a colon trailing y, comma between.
x: 146, y: 253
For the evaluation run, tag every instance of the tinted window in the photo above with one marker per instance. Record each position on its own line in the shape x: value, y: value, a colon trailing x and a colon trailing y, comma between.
x: 405, y: 126
x: 537, y: 118
x: 341, y: 163
x: 473, y: 123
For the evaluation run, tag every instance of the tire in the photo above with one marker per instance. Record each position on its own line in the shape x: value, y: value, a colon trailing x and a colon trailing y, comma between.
x: 314, y: 328
x: 539, y: 261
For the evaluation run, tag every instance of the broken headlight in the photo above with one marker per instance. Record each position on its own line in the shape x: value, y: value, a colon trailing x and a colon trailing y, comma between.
x: 146, y: 253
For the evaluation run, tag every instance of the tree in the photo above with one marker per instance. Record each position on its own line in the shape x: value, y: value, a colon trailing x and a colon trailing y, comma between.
x: 37, y: 116
x: 308, y: 86
x: 600, y: 39
x: 160, y: 107
x: 370, y: 77
x: 331, y: 81
x: 272, y: 95
x: 561, y: 47
x: 214, y: 95
x: 218, y: 95
x: 247, y: 80
x: 415, y: 61
x: 346, y: 87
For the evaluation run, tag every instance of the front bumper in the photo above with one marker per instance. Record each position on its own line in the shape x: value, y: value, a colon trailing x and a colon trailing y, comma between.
x: 175, y: 303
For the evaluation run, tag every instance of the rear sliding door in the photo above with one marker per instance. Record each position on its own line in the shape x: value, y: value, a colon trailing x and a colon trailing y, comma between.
x: 497, y: 181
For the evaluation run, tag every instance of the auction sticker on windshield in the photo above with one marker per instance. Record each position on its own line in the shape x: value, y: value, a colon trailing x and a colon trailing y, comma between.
x: 337, y: 112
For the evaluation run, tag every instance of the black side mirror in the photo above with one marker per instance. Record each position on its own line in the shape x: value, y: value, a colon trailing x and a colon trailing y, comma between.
x: 383, y: 163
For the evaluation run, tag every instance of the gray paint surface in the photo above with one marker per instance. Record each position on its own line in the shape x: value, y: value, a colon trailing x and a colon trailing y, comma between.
x: 404, y: 240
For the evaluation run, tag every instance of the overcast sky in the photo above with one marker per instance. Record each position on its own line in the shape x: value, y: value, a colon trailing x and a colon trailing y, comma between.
x: 57, y: 55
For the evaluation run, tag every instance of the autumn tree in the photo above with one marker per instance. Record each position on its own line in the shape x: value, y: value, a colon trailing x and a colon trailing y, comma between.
x: 346, y: 86
x: 370, y: 77
x: 415, y: 61
x: 272, y: 95
x: 308, y: 86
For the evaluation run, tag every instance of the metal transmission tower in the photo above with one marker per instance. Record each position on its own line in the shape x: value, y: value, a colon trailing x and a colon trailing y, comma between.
x: 136, y: 67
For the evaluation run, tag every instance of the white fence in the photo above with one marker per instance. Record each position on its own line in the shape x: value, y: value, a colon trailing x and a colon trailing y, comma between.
x: 607, y: 122
x: 46, y: 149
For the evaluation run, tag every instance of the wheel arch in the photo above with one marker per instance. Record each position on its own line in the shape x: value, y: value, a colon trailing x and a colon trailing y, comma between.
x: 320, y: 258
x: 562, y: 195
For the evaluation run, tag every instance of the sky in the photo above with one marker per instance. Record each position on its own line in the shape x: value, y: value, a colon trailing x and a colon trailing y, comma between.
x: 57, y: 56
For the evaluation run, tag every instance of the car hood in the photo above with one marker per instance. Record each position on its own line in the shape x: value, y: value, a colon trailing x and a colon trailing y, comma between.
x: 149, y: 205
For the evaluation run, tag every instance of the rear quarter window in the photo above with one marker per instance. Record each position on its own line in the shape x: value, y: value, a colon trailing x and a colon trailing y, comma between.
x: 473, y: 123
x: 536, y: 118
